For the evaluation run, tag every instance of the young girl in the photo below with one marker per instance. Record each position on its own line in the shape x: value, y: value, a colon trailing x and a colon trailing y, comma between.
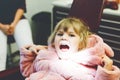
x: 73, y: 53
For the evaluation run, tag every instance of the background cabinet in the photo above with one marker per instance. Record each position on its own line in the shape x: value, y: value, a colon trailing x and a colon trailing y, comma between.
x: 109, y: 30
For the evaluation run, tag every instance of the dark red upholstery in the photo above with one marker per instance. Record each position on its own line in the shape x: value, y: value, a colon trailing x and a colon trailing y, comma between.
x: 11, y: 74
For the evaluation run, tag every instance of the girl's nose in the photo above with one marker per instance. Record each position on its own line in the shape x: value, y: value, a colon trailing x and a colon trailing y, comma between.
x: 64, y: 37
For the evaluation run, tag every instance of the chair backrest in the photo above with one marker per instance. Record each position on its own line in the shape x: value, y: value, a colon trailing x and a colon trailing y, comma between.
x: 88, y: 10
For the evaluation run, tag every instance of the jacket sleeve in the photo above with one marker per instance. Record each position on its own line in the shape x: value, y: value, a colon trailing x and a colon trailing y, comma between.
x: 103, y: 74
x: 26, y: 62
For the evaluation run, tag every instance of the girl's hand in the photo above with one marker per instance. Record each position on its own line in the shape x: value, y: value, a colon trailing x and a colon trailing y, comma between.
x: 36, y: 48
x: 107, y: 63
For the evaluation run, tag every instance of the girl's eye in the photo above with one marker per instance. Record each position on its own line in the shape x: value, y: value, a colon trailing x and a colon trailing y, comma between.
x: 60, y: 34
x: 72, y: 35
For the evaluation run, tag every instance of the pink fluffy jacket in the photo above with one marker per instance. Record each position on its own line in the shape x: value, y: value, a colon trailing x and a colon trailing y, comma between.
x: 84, y: 65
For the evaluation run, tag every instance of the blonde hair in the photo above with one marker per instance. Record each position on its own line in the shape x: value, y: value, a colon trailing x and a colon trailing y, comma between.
x: 78, y: 25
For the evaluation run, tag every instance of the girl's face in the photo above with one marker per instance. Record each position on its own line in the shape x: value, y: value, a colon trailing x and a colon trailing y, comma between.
x: 66, y: 41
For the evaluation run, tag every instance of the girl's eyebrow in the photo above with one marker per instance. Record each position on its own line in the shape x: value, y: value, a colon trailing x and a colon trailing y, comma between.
x: 66, y: 31
x: 71, y: 31
x: 60, y: 30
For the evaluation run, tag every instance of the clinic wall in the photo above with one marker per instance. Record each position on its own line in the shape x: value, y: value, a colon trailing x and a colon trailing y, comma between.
x: 35, y: 6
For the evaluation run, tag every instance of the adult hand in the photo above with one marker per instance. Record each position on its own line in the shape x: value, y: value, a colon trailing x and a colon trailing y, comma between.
x: 11, y: 30
x: 112, y: 4
x: 5, y: 28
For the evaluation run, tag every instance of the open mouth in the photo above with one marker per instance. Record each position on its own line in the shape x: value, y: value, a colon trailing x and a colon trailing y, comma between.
x: 64, y: 47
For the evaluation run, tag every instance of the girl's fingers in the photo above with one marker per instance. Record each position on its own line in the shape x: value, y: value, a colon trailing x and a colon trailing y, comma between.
x: 107, y: 63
